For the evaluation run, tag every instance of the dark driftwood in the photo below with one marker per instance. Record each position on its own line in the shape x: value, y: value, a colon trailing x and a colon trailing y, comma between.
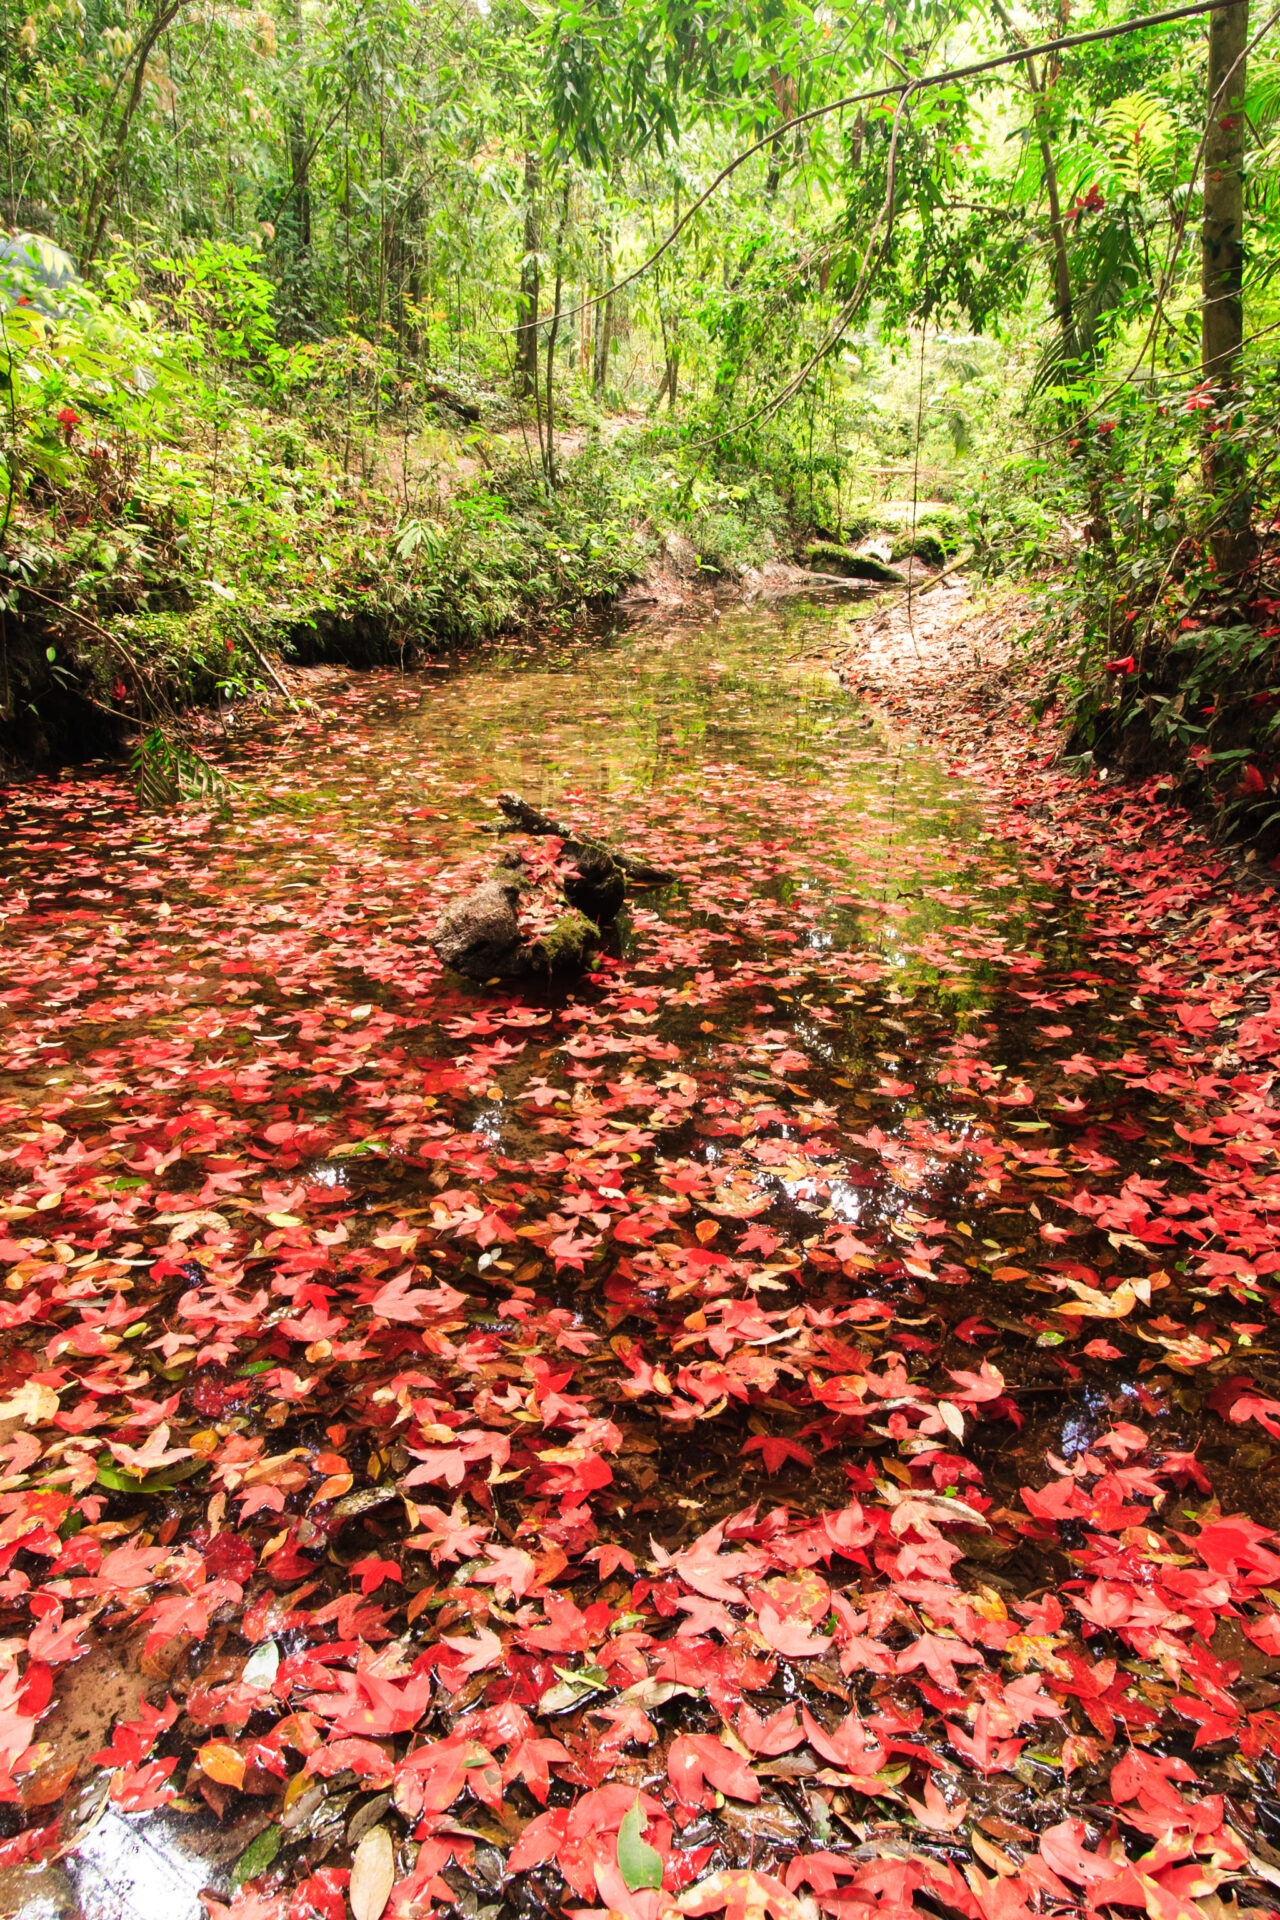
x: 527, y: 819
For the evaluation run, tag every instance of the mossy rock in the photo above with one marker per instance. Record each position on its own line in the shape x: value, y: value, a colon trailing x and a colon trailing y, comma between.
x: 926, y: 545
x: 566, y: 945
x: 824, y: 556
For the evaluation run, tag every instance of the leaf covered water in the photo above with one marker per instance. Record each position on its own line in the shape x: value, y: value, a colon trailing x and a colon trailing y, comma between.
x: 786, y: 1419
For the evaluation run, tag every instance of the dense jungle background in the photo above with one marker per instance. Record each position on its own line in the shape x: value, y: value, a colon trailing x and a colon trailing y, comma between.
x: 397, y: 325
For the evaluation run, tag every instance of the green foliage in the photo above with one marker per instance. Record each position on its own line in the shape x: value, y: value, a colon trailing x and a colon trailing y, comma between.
x: 285, y: 409
x: 166, y: 772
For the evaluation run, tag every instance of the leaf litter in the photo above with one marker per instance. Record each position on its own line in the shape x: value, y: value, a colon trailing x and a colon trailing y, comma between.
x: 786, y: 1425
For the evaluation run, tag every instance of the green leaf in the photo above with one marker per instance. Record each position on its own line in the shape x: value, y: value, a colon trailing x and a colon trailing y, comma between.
x: 257, y: 1857
x: 639, y: 1863
x: 588, y: 1676
x: 112, y: 1476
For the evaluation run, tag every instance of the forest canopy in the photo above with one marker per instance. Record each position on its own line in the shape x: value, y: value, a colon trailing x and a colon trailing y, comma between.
x: 763, y: 264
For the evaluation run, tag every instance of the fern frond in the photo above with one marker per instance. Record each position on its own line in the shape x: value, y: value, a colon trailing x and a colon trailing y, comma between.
x: 167, y: 772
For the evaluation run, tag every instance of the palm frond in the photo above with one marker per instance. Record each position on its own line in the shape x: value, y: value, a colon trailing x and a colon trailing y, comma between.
x: 1113, y: 272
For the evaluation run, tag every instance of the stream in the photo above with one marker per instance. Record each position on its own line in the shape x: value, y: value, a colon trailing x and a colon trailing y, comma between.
x: 285, y: 1192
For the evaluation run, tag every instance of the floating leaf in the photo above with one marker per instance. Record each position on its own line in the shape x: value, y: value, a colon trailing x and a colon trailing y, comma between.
x: 262, y: 1666
x: 223, y: 1762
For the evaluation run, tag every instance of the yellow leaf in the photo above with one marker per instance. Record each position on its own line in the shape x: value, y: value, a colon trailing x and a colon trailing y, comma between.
x: 31, y: 1403
x: 222, y: 1762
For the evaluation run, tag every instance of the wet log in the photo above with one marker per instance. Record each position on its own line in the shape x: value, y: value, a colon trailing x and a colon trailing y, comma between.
x: 444, y: 396
x: 566, y: 947
x: 597, y: 886
x: 524, y: 818
x: 479, y: 935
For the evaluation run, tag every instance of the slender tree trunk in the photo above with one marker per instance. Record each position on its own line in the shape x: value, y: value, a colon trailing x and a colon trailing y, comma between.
x: 1061, y: 266
x: 604, y: 334
x: 552, y: 331
x: 526, y: 369
x: 1222, y: 278
x: 300, y: 176
x: 108, y: 177
x: 295, y: 240
x: 773, y: 177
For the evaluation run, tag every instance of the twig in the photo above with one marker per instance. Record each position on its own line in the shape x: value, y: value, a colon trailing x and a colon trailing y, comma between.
x: 262, y: 660
x: 955, y: 567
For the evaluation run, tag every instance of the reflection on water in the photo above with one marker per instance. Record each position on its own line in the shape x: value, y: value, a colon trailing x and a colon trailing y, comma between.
x: 125, y: 1867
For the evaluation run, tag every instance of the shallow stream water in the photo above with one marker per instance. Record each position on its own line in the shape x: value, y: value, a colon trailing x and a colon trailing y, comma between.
x: 241, y: 1024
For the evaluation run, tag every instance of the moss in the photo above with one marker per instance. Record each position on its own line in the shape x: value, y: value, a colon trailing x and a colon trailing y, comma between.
x: 824, y: 556
x: 924, y: 545
x: 565, y: 945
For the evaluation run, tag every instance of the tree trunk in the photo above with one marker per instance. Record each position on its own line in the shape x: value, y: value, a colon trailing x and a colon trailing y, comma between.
x: 526, y: 364
x: 108, y: 177
x: 604, y: 336
x: 552, y: 333
x: 1222, y: 280
x: 293, y: 232
x: 300, y: 176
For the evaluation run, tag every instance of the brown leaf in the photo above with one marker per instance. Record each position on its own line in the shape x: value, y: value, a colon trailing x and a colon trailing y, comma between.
x: 992, y: 1856
x: 373, y: 1872
x: 48, y: 1784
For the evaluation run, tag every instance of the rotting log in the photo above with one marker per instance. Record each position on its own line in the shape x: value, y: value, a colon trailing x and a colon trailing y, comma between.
x: 479, y: 935
x: 566, y: 946
x: 523, y: 818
